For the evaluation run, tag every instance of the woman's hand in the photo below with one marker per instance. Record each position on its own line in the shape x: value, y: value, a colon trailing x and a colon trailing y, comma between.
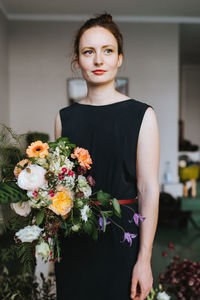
x: 142, y: 277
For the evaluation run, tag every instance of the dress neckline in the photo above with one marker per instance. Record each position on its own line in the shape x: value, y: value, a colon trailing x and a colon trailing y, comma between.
x: 104, y: 105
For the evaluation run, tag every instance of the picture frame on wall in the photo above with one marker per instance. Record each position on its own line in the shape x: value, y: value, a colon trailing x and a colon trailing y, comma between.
x: 77, y: 88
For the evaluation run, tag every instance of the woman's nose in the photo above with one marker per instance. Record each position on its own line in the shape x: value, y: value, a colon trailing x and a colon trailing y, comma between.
x: 98, y: 59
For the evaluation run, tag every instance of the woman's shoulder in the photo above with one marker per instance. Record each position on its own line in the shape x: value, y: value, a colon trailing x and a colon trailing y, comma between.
x: 70, y: 107
x: 139, y: 105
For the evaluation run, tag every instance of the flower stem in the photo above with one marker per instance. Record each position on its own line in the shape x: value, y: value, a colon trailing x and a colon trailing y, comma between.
x: 129, y: 207
x: 116, y: 224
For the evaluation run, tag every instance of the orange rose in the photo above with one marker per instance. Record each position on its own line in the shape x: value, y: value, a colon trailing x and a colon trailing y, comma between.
x: 22, y: 163
x: 83, y: 157
x: 62, y: 203
x: 37, y: 149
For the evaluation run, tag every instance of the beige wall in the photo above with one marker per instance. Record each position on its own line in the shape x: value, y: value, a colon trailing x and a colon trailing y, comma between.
x: 4, y: 100
x: 40, y: 65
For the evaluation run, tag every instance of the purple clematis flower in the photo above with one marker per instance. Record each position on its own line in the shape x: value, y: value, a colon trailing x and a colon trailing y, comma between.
x: 136, y: 218
x: 101, y: 222
x: 129, y: 236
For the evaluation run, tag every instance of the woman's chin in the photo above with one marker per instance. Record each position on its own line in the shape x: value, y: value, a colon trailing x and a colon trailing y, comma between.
x: 100, y: 81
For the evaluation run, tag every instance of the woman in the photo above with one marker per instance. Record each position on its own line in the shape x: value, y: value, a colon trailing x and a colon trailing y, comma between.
x: 122, y: 137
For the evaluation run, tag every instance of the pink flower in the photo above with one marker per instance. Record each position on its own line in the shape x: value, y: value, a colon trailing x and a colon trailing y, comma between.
x: 70, y: 173
x: 64, y: 170
x: 61, y: 176
x: 51, y: 193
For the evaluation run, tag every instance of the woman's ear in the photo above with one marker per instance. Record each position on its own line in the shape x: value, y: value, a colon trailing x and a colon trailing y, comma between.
x: 76, y: 62
x: 120, y: 59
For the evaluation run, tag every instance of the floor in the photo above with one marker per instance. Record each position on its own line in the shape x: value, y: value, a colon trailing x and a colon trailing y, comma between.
x: 185, y: 240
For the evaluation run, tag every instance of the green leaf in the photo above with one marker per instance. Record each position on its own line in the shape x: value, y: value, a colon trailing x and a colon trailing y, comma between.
x: 104, y: 198
x: 116, y: 206
x: 93, y: 218
x: 62, y: 139
x: 95, y: 235
x: 88, y: 227
x: 11, y: 193
x: 108, y: 213
x: 40, y: 217
x: 53, y: 145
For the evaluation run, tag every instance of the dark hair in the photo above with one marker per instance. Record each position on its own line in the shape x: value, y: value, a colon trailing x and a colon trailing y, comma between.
x: 104, y: 20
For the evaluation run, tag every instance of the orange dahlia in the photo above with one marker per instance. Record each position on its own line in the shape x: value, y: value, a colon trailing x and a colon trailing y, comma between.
x: 22, y: 164
x: 37, y: 149
x: 83, y: 157
x: 62, y: 203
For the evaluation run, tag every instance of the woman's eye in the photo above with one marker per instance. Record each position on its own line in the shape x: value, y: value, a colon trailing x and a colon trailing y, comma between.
x: 88, y: 52
x: 108, y: 50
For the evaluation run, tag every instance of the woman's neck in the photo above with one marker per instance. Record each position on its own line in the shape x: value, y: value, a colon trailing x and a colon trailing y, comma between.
x: 102, y: 94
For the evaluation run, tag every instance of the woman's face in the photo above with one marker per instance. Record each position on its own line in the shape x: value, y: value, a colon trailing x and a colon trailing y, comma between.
x: 98, y: 56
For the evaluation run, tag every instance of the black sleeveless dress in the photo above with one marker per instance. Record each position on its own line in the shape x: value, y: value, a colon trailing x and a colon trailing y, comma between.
x: 101, y: 270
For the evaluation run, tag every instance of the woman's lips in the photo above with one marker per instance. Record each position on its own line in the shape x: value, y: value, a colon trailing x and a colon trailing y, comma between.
x: 98, y: 72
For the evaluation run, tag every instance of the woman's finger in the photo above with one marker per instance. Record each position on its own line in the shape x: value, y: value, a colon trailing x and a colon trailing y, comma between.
x: 133, y: 287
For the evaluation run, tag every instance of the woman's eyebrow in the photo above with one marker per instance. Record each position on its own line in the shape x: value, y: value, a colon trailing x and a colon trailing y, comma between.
x: 104, y: 46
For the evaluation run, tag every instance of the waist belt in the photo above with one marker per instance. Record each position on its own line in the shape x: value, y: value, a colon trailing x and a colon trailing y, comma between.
x: 121, y: 201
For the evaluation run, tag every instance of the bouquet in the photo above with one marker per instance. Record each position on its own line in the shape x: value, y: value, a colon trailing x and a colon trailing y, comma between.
x: 55, y: 191
x: 158, y: 293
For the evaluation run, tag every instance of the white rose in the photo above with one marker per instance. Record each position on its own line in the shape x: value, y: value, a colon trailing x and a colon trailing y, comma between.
x: 87, y: 191
x: 21, y: 208
x: 82, y: 181
x: 83, y: 186
x: 43, y: 250
x: 85, y: 213
x: 163, y: 296
x: 32, y: 178
x: 29, y: 233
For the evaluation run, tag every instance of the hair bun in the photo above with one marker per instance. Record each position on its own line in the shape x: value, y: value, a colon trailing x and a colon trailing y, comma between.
x: 105, y: 17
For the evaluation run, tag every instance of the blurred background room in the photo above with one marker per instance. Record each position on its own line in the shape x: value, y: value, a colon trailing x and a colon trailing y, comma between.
x: 161, y: 67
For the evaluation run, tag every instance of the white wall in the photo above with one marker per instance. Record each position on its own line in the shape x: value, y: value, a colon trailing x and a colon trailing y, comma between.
x: 4, y: 100
x: 152, y: 64
x: 40, y: 65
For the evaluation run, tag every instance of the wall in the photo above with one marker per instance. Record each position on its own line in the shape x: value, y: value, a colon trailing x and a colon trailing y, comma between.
x: 4, y: 100
x: 190, y: 104
x: 40, y: 65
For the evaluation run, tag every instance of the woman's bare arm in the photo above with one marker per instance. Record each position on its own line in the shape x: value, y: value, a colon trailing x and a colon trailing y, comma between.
x: 147, y: 168
x: 58, y: 127
x: 148, y: 159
